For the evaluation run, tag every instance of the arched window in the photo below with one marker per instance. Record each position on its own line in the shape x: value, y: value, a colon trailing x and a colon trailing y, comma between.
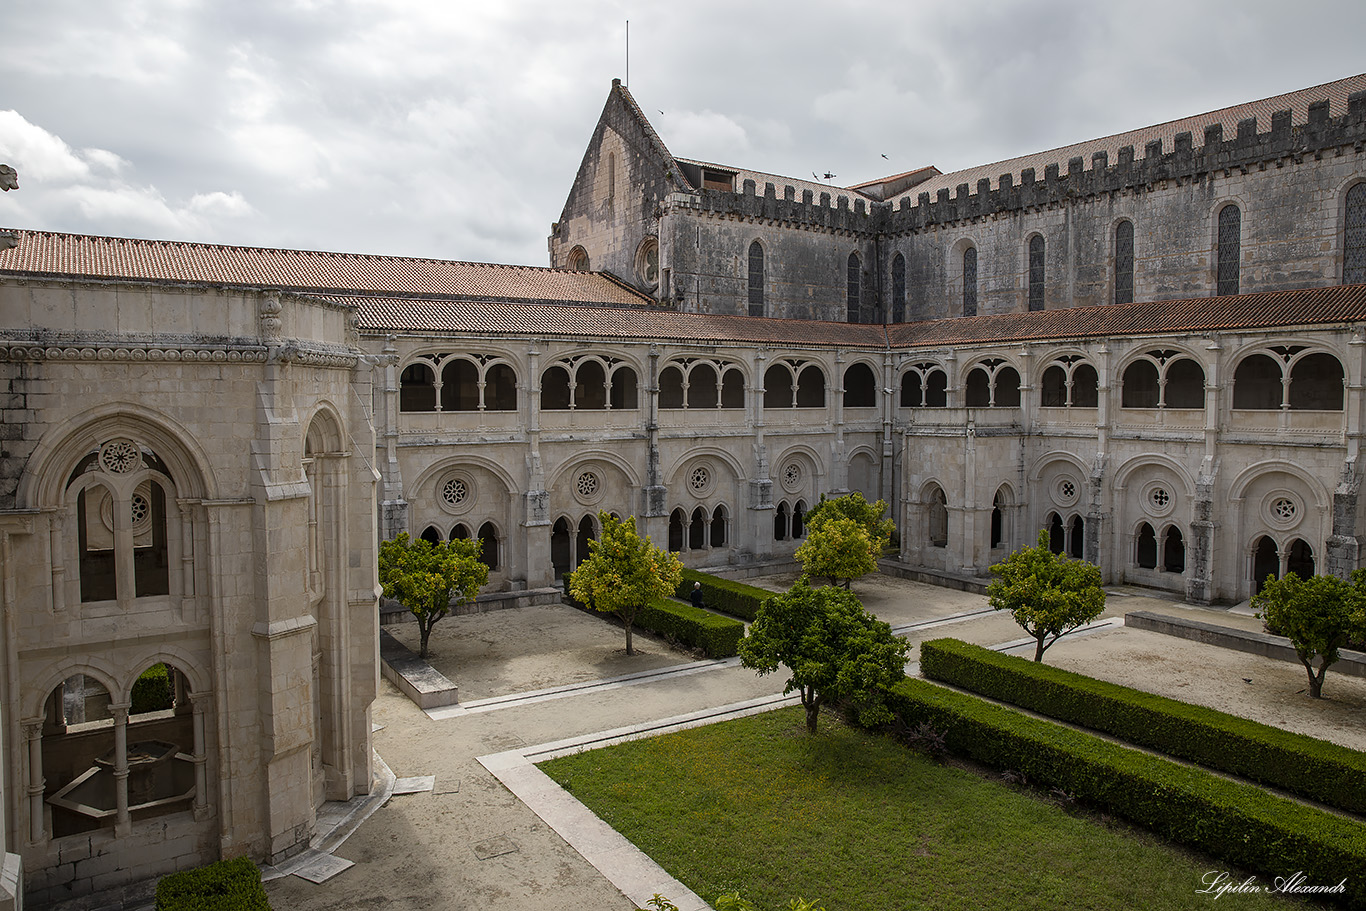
x: 1230, y: 250
x: 702, y: 392
x: 1266, y: 563
x: 1054, y: 391
x: 756, y: 279
x: 1146, y: 547
x: 677, y: 521
x: 1005, y: 391
x: 590, y: 386
x: 578, y: 259
x: 1124, y: 262
x: 936, y: 389
x: 1036, y: 274
x: 431, y: 534
x: 671, y: 387
x: 860, y: 388
x: 811, y: 387
x: 978, y: 391
x: 1354, y: 237
x: 488, y: 543
x: 970, y: 281
x: 588, y: 531
x: 1157, y: 381
x: 778, y: 387
x: 1316, y: 382
x: 1300, y: 560
x: 997, y: 521
x: 799, y: 519
x: 417, y: 388
x: 459, y: 532
x: 1076, y: 537
x: 697, y: 531
x: 1057, y: 535
x: 1257, y: 383
x: 460, y: 386
x: 993, y: 384
x: 718, y: 527
x: 733, y: 389
x: 1185, y: 385
x: 938, y: 516
x: 624, y: 395
x: 898, y: 288
x: 912, y: 389
x: 500, y: 388
x: 1173, y: 550
x: 1085, y: 386
x: 1140, y: 385
x: 560, y: 547
x: 555, y: 389
x: 780, y: 522
x: 852, y: 289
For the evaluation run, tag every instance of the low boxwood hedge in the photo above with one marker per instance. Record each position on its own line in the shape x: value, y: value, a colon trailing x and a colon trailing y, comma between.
x: 151, y: 691
x: 1237, y: 822
x: 1302, y: 765
x: 717, y: 636
x: 725, y: 595
x: 228, y: 885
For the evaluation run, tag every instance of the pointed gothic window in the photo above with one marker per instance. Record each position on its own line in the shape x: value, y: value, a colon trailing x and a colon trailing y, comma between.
x: 756, y: 279
x: 852, y: 291
x: 970, y: 281
x: 1124, y: 262
x: 1036, y: 272
x: 1354, y: 243
x: 1230, y: 249
x: 899, y: 289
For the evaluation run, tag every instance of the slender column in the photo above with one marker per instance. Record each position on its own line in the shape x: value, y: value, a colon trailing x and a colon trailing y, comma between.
x: 200, y: 757
x: 33, y: 731
x: 123, y: 823
x: 56, y: 549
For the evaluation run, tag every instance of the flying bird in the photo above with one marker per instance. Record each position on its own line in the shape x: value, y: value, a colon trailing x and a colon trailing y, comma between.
x: 884, y: 156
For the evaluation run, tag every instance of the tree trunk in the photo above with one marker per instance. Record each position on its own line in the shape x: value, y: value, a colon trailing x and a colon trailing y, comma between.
x: 1315, y: 680
x: 1038, y: 651
x: 425, y: 629
x: 627, y: 621
x: 812, y: 703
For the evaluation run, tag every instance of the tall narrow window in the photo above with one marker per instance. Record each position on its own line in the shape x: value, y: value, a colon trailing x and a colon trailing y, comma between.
x: 852, y: 292
x: 899, y: 289
x: 1354, y: 243
x: 1230, y: 249
x: 1036, y: 272
x: 1124, y: 262
x: 970, y: 281
x: 756, y: 279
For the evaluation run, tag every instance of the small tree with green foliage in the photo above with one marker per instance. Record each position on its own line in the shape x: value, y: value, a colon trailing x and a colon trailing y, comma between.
x: 836, y: 650
x: 1318, y: 615
x: 872, y: 516
x: 1048, y: 594
x: 844, y: 538
x: 425, y: 577
x: 624, y: 572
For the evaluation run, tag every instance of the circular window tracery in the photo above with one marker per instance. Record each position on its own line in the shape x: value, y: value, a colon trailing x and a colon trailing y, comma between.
x: 699, y: 479
x: 1283, y: 509
x: 792, y: 476
x: 588, y: 487
x: 120, y: 456
x: 1066, y: 490
x: 1159, y: 499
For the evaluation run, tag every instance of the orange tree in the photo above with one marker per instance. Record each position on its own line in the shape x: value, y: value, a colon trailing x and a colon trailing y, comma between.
x: 425, y: 577
x: 624, y: 572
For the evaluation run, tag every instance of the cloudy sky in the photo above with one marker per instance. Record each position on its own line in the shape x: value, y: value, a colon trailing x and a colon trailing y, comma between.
x: 452, y: 128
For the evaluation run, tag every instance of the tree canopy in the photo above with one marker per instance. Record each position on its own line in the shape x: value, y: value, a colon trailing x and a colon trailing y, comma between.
x: 836, y: 650
x: 844, y: 538
x: 1048, y: 594
x: 624, y: 572
x: 1318, y: 615
x: 425, y: 577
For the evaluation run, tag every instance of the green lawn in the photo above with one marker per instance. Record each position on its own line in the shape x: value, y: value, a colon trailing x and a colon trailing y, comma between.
x: 860, y: 823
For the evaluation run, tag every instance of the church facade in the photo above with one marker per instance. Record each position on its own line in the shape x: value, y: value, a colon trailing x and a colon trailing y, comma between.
x: 1149, y: 346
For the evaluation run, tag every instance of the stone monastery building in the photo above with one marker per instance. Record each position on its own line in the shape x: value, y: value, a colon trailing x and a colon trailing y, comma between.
x: 1149, y: 344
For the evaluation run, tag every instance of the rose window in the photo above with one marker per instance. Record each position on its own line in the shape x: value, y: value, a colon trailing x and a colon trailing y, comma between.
x: 792, y: 476
x: 141, y: 509
x: 700, y: 479
x: 120, y: 457
x: 587, y: 484
x: 1284, y: 509
x: 1069, y: 490
x: 455, y: 492
x: 1159, y: 497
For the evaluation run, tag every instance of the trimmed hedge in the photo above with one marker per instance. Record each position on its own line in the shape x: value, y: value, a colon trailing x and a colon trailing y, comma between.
x: 718, y: 637
x: 1322, y: 771
x: 1231, y: 820
x: 152, y: 691
x: 725, y: 595
x: 228, y: 885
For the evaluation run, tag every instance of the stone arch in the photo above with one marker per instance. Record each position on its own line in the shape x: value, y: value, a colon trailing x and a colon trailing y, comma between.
x: 186, y: 663
x: 33, y: 699
x: 1243, y: 481
x: 323, y: 429
x: 865, y: 469
x: 673, y: 475
x: 860, y: 382
x: 561, y: 475
x: 1149, y: 460
x: 429, y: 474
x: 1353, y: 272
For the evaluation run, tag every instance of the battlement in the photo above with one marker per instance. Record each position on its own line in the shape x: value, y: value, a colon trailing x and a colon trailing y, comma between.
x: 1249, y: 147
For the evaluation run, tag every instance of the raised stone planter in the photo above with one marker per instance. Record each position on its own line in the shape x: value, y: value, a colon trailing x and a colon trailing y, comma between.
x: 419, y: 681
x: 1278, y: 647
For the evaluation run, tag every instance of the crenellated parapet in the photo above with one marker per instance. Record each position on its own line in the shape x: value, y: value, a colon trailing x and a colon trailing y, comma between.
x: 807, y: 211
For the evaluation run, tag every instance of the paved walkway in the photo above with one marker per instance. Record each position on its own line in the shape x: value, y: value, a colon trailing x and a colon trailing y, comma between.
x: 494, y: 833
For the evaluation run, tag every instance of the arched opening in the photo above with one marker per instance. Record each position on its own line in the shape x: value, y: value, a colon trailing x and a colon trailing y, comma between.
x: 860, y: 388
x: 938, y: 518
x: 1173, y: 550
x: 1229, y: 250
x: 1057, y: 536
x: 460, y: 386
x: 756, y: 279
x: 460, y: 532
x: 853, y: 294
x: 1316, y: 382
x: 970, y: 281
x: 936, y: 389
x: 978, y: 391
x: 778, y: 387
x: 898, y: 288
x: 702, y: 392
x: 500, y: 388
x: 560, y: 541
x: 587, y: 532
x: 671, y: 388
x: 811, y: 388
x: 431, y: 534
x: 1076, y: 538
x: 1085, y: 386
x: 997, y: 521
x: 488, y: 545
x: 624, y: 390
x: 1354, y: 237
x: 417, y: 388
x: 1036, y: 273
x: 1124, y: 262
x: 1301, y: 559
x: 1140, y: 385
x: 555, y: 389
x: 780, y: 522
x: 697, y: 530
x: 733, y: 389
x: 578, y: 259
x: 677, y: 521
x: 799, y: 519
x: 1185, y: 387
x: 1007, y: 388
x: 718, y: 527
x: 1146, y: 547
x: 1257, y: 383
x: 912, y: 390
x: 1266, y: 563
x: 1053, y: 391
x: 590, y: 386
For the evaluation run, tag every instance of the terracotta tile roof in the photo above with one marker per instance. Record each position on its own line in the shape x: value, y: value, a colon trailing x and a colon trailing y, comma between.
x: 1310, y: 307
x: 760, y: 178
x: 479, y: 318
x: 1296, y: 102
x: 47, y: 253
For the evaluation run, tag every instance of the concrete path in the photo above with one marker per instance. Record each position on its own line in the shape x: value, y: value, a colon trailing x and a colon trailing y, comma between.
x: 494, y: 834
